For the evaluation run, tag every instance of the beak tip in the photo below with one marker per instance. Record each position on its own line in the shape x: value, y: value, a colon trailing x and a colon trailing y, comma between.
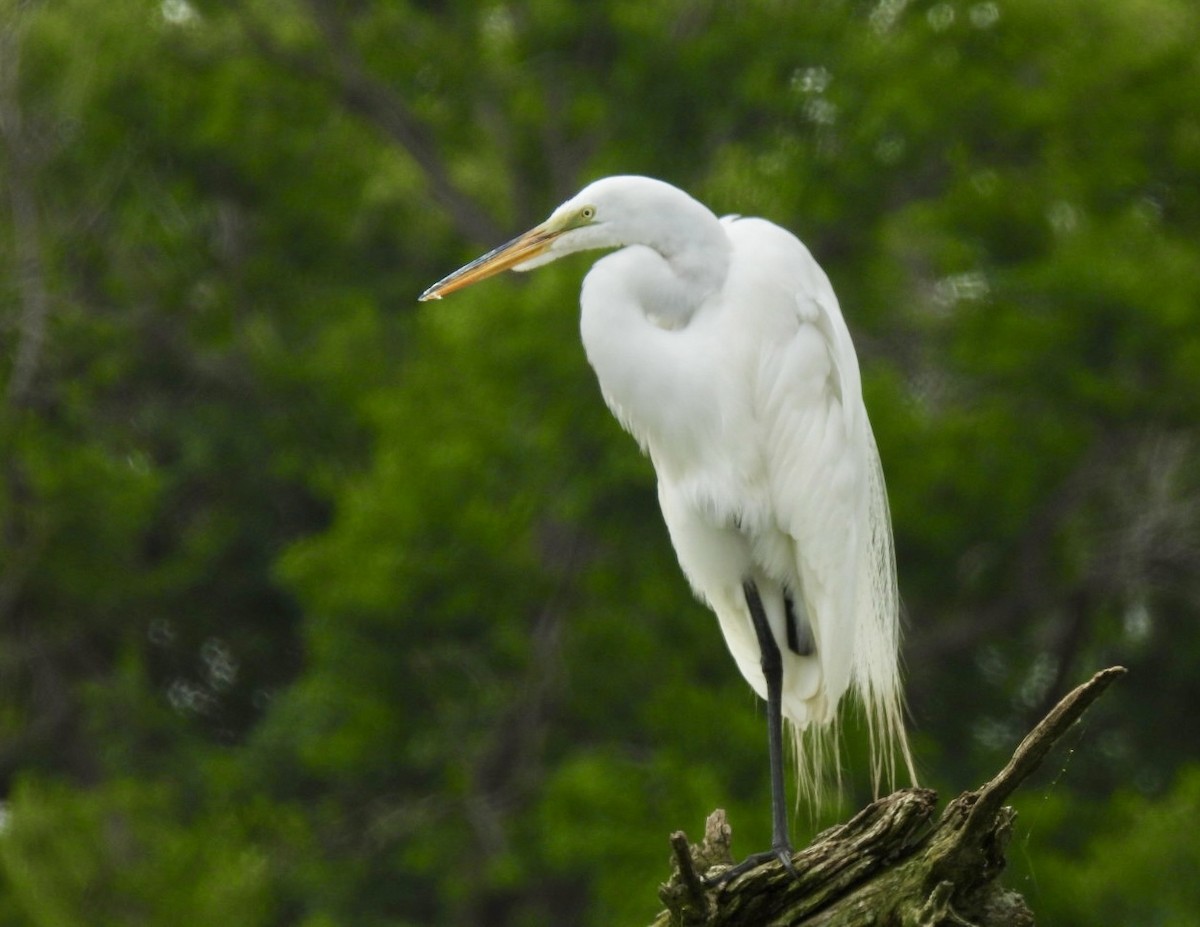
x: 519, y: 251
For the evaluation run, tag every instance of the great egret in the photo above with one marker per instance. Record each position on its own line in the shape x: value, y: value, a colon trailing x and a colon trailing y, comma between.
x: 720, y: 347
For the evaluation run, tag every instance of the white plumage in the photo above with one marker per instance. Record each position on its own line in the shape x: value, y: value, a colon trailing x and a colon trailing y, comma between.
x: 720, y: 346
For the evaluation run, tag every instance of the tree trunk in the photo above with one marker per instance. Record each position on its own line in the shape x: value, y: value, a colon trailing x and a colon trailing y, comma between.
x: 893, y: 863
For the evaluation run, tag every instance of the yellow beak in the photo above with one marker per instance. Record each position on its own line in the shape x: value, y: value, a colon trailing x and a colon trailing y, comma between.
x: 523, y: 248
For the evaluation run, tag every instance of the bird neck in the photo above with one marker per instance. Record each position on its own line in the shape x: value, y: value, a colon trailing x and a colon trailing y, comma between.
x: 695, y: 267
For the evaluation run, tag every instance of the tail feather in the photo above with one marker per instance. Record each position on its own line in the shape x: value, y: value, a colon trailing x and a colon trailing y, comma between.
x: 875, y: 671
x: 877, y: 645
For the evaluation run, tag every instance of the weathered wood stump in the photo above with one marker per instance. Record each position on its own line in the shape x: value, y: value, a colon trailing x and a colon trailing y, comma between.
x: 893, y: 863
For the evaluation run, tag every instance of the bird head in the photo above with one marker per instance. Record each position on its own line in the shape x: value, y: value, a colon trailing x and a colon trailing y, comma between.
x: 608, y: 213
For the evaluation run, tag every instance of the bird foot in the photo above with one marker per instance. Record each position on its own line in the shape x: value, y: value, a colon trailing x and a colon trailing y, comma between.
x: 781, y: 854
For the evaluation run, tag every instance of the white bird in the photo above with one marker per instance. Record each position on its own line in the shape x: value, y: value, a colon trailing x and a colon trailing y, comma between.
x: 720, y: 347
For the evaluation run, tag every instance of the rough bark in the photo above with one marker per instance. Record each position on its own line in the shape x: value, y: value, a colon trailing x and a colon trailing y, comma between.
x: 894, y: 863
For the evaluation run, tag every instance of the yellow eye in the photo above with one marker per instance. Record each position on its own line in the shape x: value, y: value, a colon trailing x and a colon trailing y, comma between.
x: 588, y: 213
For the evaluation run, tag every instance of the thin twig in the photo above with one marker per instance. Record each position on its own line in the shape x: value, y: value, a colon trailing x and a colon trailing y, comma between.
x: 1037, y: 743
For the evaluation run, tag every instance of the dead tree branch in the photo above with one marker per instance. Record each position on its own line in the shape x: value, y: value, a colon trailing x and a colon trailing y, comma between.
x: 893, y: 863
x: 30, y: 271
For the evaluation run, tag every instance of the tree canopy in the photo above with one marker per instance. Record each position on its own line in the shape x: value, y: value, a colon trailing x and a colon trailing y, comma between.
x: 320, y: 607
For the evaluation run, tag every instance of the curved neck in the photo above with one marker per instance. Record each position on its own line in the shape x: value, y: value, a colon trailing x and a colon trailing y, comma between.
x: 694, y: 267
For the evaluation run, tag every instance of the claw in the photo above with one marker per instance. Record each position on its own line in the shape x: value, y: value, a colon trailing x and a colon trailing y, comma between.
x: 784, y: 855
x: 781, y: 855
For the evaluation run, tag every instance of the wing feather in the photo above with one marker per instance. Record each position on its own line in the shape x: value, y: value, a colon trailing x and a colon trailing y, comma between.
x: 824, y: 481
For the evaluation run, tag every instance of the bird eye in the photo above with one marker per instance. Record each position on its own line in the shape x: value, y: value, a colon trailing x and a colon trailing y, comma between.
x: 588, y: 212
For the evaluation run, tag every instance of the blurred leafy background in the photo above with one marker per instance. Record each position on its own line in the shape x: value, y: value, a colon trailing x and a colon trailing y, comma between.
x: 321, y: 608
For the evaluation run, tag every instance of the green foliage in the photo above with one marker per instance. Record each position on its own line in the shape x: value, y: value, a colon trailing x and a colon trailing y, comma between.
x: 320, y: 608
x: 1137, y: 867
x: 131, y: 852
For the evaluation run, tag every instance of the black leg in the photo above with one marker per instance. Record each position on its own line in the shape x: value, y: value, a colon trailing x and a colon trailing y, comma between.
x: 772, y: 667
x: 799, y: 634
